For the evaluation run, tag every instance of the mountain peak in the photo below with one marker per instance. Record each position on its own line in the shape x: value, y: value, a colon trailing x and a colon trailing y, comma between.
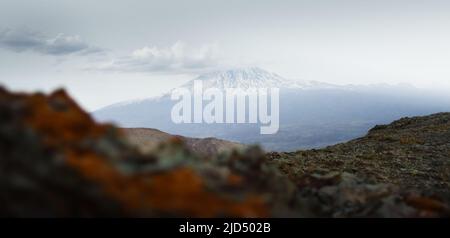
x: 245, y: 72
x: 247, y: 77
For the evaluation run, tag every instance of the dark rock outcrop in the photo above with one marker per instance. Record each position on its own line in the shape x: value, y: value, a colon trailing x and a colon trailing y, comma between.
x: 55, y: 161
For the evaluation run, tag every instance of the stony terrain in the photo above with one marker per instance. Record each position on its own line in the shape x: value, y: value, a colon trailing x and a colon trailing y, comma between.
x: 412, y: 154
x: 56, y: 161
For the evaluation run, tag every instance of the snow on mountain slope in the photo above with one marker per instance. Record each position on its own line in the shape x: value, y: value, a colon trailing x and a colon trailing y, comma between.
x: 252, y: 77
x: 244, y: 78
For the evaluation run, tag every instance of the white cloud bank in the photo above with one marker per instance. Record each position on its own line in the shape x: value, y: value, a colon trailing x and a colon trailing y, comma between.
x: 179, y: 58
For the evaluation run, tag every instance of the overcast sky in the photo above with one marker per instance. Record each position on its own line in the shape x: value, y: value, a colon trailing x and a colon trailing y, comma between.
x: 106, y: 51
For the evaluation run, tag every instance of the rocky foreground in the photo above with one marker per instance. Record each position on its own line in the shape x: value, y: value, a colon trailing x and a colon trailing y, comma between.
x: 55, y: 161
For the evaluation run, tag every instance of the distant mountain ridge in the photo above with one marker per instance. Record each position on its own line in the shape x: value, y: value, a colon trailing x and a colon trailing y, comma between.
x: 147, y: 140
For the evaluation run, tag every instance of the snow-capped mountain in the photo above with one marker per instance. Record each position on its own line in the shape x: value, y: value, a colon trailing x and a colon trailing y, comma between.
x: 251, y: 77
x: 243, y: 78
x: 312, y: 114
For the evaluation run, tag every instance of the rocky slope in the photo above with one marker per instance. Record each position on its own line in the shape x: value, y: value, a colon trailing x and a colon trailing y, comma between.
x: 55, y: 161
x: 412, y: 154
x: 147, y: 140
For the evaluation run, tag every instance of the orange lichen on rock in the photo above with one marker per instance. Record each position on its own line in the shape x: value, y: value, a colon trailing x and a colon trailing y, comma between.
x: 188, y: 195
x: 179, y: 191
x: 426, y: 204
x: 64, y: 127
x: 234, y: 180
x: 60, y: 119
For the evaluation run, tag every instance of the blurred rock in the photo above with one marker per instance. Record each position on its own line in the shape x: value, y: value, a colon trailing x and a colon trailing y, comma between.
x: 55, y: 161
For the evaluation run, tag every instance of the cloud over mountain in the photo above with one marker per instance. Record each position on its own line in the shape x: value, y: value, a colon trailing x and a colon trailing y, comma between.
x: 20, y: 40
x: 178, y: 58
